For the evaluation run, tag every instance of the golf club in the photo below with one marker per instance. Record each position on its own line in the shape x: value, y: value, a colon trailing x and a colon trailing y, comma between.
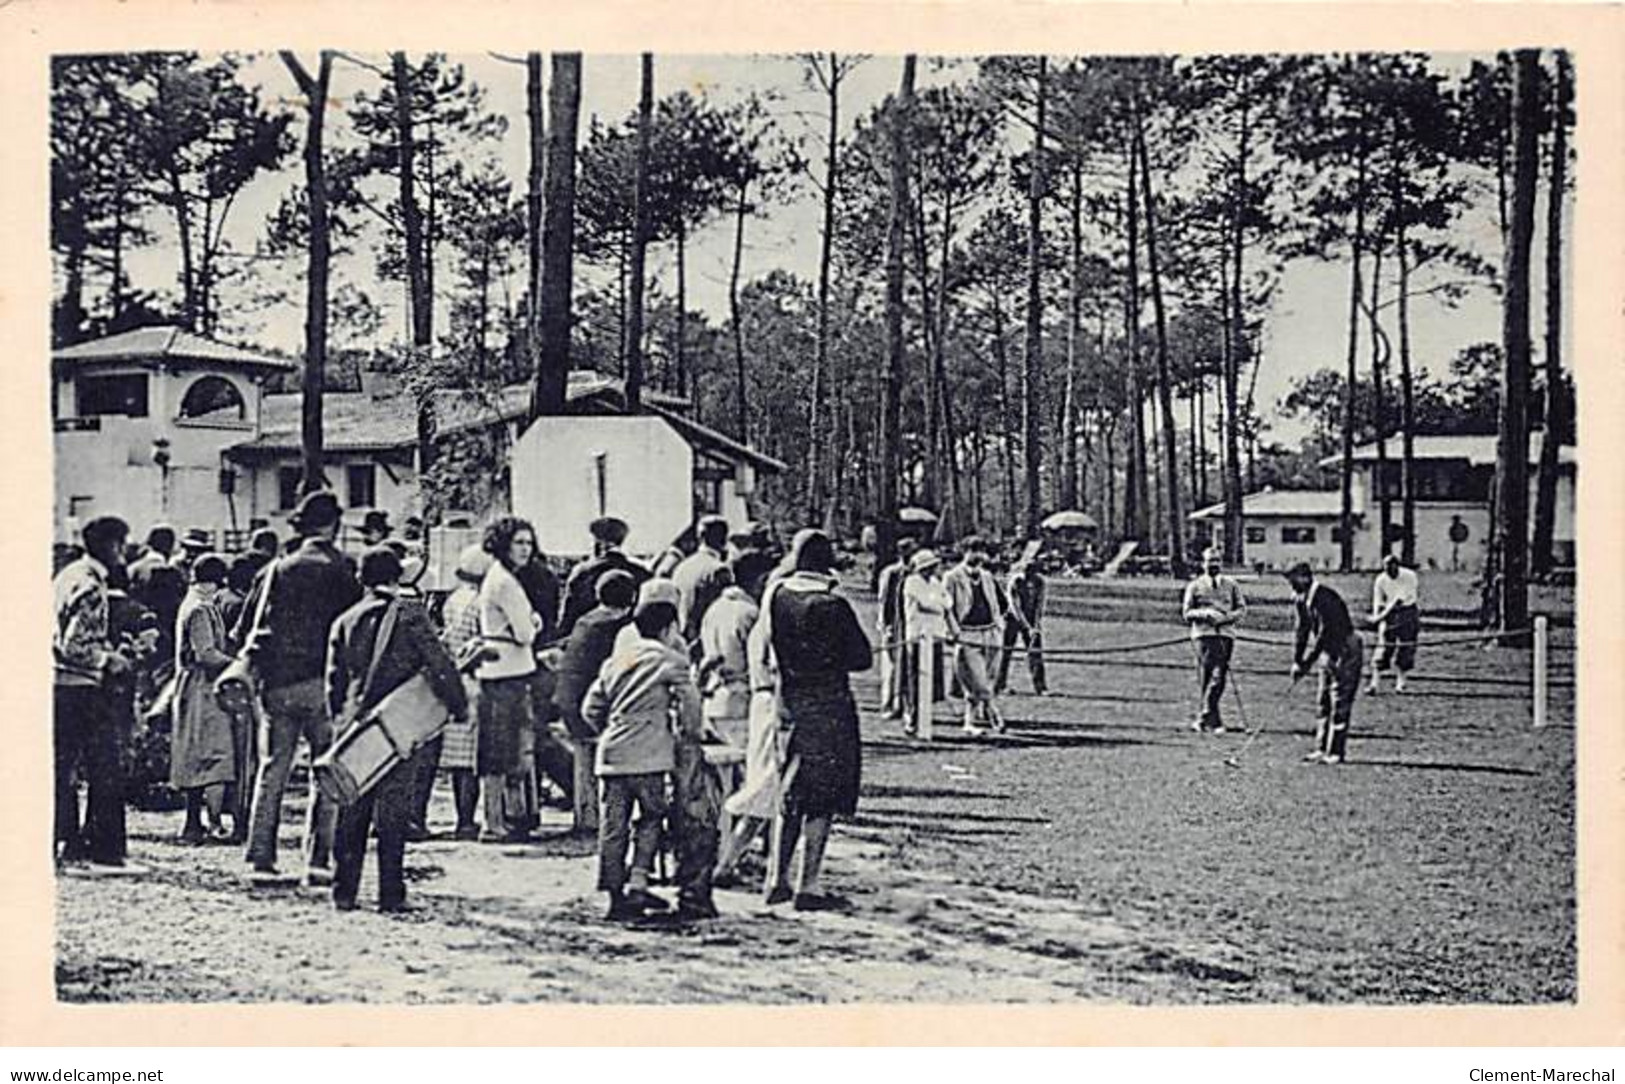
x: 1234, y: 760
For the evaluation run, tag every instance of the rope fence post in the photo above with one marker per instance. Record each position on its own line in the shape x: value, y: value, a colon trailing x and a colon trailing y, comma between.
x: 926, y: 673
x: 1542, y: 629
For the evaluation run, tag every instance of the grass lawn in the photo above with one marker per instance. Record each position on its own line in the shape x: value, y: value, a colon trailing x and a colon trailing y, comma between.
x: 1437, y: 865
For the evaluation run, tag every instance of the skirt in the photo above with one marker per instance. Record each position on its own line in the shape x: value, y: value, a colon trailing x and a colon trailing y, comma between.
x: 823, y: 723
x: 504, y: 723
x: 976, y: 648
x: 203, y: 749
x: 759, y: 797
x: 459, y: 748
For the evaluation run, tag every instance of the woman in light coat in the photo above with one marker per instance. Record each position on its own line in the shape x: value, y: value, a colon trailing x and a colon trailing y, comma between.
x: 203, y: 751
x: 928, y: 610
x: 508, y: 626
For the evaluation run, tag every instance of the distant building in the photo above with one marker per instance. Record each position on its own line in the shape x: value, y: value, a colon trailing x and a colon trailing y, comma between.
x: 160, y: 425
x: 1453, y: 478
x: 1284, y: 527
x: 142, y: 421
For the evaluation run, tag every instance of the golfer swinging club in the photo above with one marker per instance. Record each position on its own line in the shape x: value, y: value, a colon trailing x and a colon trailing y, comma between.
x: 1213, y: 603
x: 1323, y: 617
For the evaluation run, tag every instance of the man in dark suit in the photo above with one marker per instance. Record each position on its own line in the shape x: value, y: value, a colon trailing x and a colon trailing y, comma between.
x: 590, y: 643
x: 580, y: 590
x: 360, y: 673
x: 1325, y: 633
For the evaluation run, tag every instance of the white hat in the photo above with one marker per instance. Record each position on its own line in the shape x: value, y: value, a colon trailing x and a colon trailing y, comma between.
x: 923, y: 560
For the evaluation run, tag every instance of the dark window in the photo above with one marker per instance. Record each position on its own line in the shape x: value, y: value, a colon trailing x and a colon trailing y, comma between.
x: 287, y: 487
x: 361, y: 485
x: 124, y: 394
x: 1337, y: 534
x: 1256, y: 535
x: 1298, y: 536
x: 213, y: 399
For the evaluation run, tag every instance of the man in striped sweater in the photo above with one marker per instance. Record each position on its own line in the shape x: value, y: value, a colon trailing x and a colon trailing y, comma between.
x: 83, y: 724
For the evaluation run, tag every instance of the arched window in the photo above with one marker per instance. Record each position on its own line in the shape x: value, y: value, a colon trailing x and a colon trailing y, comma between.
x: 213, y: 399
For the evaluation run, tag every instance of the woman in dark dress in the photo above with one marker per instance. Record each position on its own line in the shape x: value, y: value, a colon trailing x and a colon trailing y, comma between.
x: 816, y: 642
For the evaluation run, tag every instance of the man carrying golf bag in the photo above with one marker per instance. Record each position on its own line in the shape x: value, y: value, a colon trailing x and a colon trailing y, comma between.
x: 1325, y: 630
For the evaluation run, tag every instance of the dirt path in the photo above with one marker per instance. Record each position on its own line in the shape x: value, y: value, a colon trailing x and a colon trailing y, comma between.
x: 523, y: 924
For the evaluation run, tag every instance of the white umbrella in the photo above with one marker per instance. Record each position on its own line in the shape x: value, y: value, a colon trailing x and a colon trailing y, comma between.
x: 1059, y: 521
x: 916, y: 515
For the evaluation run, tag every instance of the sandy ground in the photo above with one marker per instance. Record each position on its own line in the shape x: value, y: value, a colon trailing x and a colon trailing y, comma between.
x: 1099, y: 852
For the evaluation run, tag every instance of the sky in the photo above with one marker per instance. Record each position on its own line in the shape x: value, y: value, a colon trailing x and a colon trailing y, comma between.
x: 1304, y: 330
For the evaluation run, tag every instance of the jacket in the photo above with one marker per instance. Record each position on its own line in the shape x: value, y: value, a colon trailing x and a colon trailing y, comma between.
x: 309, y: 588
x: 724, y: 654
x: 961, y: 581
x: 508, y: 625
x: 634, y: 704
x: 1024, y: 597
x: 413, y: 648
x: 591, y: 642
x: 696, y: 579
x: 1322, y: 616
x: 581, y: 588
x: 1212, y: 604
x: 80, y: 638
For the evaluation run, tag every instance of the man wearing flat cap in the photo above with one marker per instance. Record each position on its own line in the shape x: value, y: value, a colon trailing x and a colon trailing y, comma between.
x: 580, y: 589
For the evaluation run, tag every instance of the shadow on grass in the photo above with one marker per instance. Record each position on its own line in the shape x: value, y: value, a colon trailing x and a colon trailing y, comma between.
x: 1433, y: 766
x: 879, y: 790
x: 954, y: 816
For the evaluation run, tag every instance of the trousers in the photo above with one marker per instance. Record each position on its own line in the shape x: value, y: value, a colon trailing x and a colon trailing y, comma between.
x: 389, y: 804
x: 1339, y: 683
x: 1399, y: 633
x: 618, y: 795
x: 86, y: 740
x: 291, y: 712
x: 1213, y: 670
x: 1033, y: 638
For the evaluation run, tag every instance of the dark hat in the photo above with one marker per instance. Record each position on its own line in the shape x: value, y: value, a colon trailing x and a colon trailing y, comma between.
x: 713, y: 529
x: 264, y: 540
x: 750, y: 565
x: 1301, y: 568
x: 376, y: 520
x: 316, y: 511
x: 380, y: 565
x: 196, y: 538
x: 210, y: 568
x: 609, y: 530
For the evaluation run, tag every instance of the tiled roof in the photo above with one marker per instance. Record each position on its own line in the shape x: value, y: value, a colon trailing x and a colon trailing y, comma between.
x: 167, y: 343
x: 367, y: 421
x: 1308, y: 503
x: 1479, y: 450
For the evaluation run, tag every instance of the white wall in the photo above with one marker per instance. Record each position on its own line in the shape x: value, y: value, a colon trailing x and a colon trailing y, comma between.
x: 648, y: 480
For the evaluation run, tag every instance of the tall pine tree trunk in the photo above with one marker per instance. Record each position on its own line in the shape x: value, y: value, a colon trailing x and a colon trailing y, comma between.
x: 1513, y: 447
x: 1407, y: 406
x: 558, y: 236
x: 1006, y: 416
x: 1351, y: 377
x: 536, y: 178
x: 1542, y: 559
x: 816, y: 466
x: 1074, y: 335
x: 1032, y: 396
x: 1379, y: 379
x: 741, y: 402
x: 421, y: 308
x: 1136, y: 496
x: 891, y: 441
x: 682, y: 308
x: 320, y: 243
x: 1173, y: 507
x: 1236, y: 337
x: 640, y: 239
